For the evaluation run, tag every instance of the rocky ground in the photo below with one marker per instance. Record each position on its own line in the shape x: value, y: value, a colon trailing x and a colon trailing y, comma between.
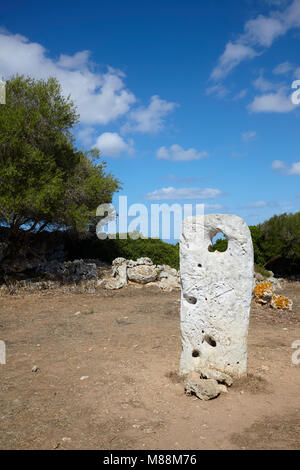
x: 100, y: 371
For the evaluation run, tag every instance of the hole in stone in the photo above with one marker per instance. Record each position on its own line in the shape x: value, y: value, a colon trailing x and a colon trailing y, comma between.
x: 190, y: 299
x: 210, y: 341
x: 199, y: 265
x: 219, y: 242
x: 195, y: 353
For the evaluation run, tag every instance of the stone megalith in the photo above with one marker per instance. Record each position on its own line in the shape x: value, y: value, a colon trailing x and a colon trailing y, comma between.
x: 216, y: 292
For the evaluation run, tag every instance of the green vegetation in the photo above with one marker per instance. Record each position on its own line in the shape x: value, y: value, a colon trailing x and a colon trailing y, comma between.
x: 261, y: 270
x: 107, y: 250
x: 220, y: 245
x: 276, y: 244
x: 46, y: 182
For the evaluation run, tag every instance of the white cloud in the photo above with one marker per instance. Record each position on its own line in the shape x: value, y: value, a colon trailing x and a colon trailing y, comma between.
x: 276, y: 2
x: 112, y: 145
x: 183, y: 193
x: 78, y: 61
x: 278, y: 102
x: 279, y: 165
x: 295, y: 169
x: 213, y: 207
x: 259, y: 34
x: 176, y: 153
x: 248, y: 136
x: 100, y: 97
x: 264, y: 85
x: 218, y: 90
x: 283, y: 68
x: 149, y: 119
x: 241, y: 94
x: 260, y: 205
x: 262, y: 31
x: 233, y: 55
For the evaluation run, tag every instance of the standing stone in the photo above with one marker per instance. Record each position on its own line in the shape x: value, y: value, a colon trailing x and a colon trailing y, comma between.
x: 216, y: 294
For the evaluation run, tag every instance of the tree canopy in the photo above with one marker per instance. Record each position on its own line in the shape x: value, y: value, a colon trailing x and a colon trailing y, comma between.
x: 280, y: 240
x: 45, y: 181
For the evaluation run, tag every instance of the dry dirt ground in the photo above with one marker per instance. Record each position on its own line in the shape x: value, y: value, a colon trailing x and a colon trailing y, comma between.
x: 107, y: 377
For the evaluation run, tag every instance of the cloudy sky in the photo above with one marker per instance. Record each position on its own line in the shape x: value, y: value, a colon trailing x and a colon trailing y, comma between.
x: 188, y: 101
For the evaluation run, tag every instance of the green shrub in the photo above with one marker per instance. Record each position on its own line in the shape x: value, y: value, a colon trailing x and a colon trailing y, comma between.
x: 107, y: 250
x: 261, y: 270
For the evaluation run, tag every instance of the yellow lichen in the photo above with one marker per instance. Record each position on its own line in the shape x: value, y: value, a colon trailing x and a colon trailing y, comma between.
x: 263, y: 289
x: 281, y: 302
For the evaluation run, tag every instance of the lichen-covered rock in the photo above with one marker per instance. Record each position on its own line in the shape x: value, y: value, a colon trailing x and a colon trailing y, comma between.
x: 113, y: 283
x: 118, y: 262
x: 203, y: 389
x: 144, y: 261
x: 280, y: 302
x: 167, y: 271
x: 168, y: 277
x: 142, y: 274
x: 263, y: 290
x: 119, y: 273
x: 220, y: 377
x: 68, y: 271
x: 259, y: 277
x: 167, y: 284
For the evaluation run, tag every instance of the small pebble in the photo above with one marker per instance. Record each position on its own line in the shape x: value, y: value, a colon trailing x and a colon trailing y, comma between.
x: 84, y: 377
x: 35, y: 369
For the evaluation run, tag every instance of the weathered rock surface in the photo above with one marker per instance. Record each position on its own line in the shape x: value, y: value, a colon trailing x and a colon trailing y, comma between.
x: 203, y: 389
x: 168, y: 284
x: 220, y: 377
x: 280, y: 302
x: 118, y: 277
x: 207, y: 384
x: 146, y: 261
x: 264, y: 294
x: 142, y: 274
x: 69, y: 271
x: 259, y: 277
x: 216, y: 294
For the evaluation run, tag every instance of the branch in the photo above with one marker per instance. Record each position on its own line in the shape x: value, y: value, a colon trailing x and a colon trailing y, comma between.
x: 272, y: 259
x: 42, y: 227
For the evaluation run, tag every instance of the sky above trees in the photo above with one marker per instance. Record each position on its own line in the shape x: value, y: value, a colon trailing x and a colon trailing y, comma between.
x: 188, y: 101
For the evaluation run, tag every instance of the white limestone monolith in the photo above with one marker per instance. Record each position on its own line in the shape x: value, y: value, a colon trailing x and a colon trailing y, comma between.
x: 216, y: 294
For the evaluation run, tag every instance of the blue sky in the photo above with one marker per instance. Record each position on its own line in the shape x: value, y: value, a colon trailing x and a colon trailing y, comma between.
x: 188, y: 101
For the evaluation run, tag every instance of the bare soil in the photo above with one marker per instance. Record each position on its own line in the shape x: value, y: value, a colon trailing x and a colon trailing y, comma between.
x: 107, y: 378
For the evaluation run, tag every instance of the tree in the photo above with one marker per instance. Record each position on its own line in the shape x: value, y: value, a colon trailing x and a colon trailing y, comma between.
x: 257, y: 238
x: 45, y: 181
x: 281, y: 239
